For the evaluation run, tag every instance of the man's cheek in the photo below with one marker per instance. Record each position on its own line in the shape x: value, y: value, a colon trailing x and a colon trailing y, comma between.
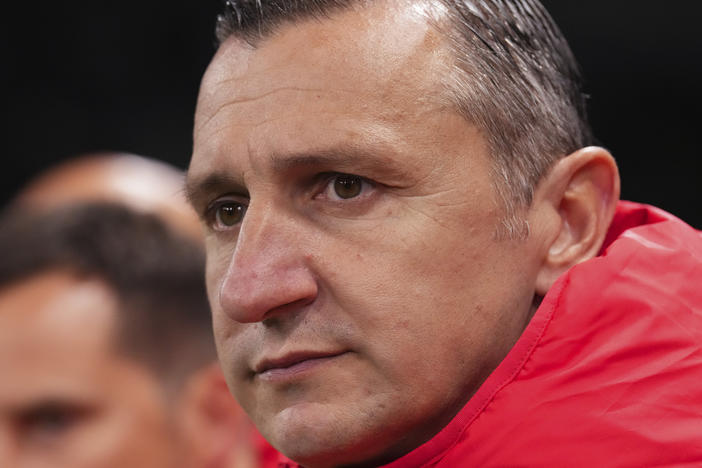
x: 232, y: 359
x: 214, y: 277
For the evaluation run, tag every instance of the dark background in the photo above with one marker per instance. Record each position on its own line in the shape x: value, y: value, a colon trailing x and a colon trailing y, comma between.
x: 82, y: 76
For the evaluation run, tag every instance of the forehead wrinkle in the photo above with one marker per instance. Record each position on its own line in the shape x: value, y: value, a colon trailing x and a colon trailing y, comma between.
x: 219, y: 130
x: 249, y: 99
x: 409, y: 41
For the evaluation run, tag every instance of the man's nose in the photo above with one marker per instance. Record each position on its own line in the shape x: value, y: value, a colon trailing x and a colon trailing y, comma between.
x: 269, y: 272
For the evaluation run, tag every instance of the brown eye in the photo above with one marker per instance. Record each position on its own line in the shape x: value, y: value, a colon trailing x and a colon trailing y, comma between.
x: 230, y: 214
x: 348, y: 186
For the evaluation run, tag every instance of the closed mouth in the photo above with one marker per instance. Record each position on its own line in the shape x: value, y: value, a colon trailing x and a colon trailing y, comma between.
x: 293, y: 362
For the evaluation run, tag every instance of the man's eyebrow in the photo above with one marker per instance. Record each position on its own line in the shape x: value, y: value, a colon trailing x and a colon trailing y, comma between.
x: 342, y: 158
x: 286, y: 162
x: 198, y: 188
x: 372, y: 162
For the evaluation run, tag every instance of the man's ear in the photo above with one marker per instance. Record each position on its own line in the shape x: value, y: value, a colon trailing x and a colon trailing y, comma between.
x: 575, y: 203
x: 213, y: 424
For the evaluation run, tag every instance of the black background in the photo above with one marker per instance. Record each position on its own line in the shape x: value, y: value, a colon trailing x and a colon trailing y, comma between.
x: 84, y: 76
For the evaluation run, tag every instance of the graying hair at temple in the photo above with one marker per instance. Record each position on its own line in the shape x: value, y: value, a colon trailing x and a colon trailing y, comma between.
x: 513, y: 75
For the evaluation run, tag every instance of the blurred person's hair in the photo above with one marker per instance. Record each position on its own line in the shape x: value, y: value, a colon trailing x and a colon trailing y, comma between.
x: 156, y: 275
x: 145, y: 184
x: 511, y: 73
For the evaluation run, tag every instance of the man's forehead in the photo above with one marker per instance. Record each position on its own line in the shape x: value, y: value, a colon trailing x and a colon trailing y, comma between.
x: 374, y: 65
x: 389, y: 43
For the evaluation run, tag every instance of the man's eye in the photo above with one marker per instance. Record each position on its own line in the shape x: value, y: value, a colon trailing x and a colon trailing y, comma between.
x: 345, y: 187
x: 228, y: 214
x: 348, y: 186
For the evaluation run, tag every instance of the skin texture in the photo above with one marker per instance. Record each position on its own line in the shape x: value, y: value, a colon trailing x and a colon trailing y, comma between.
x: 403, y: 288
x: 67, y: 398
x: 353, y: 329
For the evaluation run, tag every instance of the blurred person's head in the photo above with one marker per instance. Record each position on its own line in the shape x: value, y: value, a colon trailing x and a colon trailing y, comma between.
x: 145, y: 184
x: 106, y: 353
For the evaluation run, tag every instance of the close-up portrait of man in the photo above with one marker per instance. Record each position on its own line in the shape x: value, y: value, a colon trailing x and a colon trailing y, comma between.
x: 416, y: 255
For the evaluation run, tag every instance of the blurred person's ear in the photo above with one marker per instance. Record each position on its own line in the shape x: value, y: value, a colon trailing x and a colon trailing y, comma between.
x: 213, y: 424
x: 574, y: 204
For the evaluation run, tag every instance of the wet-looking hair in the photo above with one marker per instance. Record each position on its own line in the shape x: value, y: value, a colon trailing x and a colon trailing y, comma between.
x: 156, y: 275
x: 513, y: 75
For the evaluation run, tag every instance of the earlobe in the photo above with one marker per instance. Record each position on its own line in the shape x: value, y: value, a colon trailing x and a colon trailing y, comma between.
x: 580, y: 193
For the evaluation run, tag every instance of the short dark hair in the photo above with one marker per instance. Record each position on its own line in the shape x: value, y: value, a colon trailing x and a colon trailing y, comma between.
x: 513, y: 75
x: 156, y: 275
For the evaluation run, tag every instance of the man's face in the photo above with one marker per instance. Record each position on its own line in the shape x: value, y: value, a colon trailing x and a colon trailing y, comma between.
x: 362, y: 297
x: 67, y: 398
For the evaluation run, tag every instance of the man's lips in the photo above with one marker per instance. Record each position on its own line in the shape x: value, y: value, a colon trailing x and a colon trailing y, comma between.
x: 291, y: 364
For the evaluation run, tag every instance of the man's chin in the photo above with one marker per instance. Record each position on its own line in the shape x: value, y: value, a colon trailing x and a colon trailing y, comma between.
x: 316, y: 434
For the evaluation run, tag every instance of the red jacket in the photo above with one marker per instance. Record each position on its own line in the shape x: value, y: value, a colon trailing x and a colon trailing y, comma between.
x: 609, y: 370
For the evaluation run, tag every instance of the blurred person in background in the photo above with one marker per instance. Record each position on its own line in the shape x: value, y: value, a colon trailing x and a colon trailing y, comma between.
x: 106, y: 350
x: 153, y: 189
x: 143, y: 183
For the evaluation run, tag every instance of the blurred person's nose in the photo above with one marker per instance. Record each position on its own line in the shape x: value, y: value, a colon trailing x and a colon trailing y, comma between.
x: 268, y: 273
